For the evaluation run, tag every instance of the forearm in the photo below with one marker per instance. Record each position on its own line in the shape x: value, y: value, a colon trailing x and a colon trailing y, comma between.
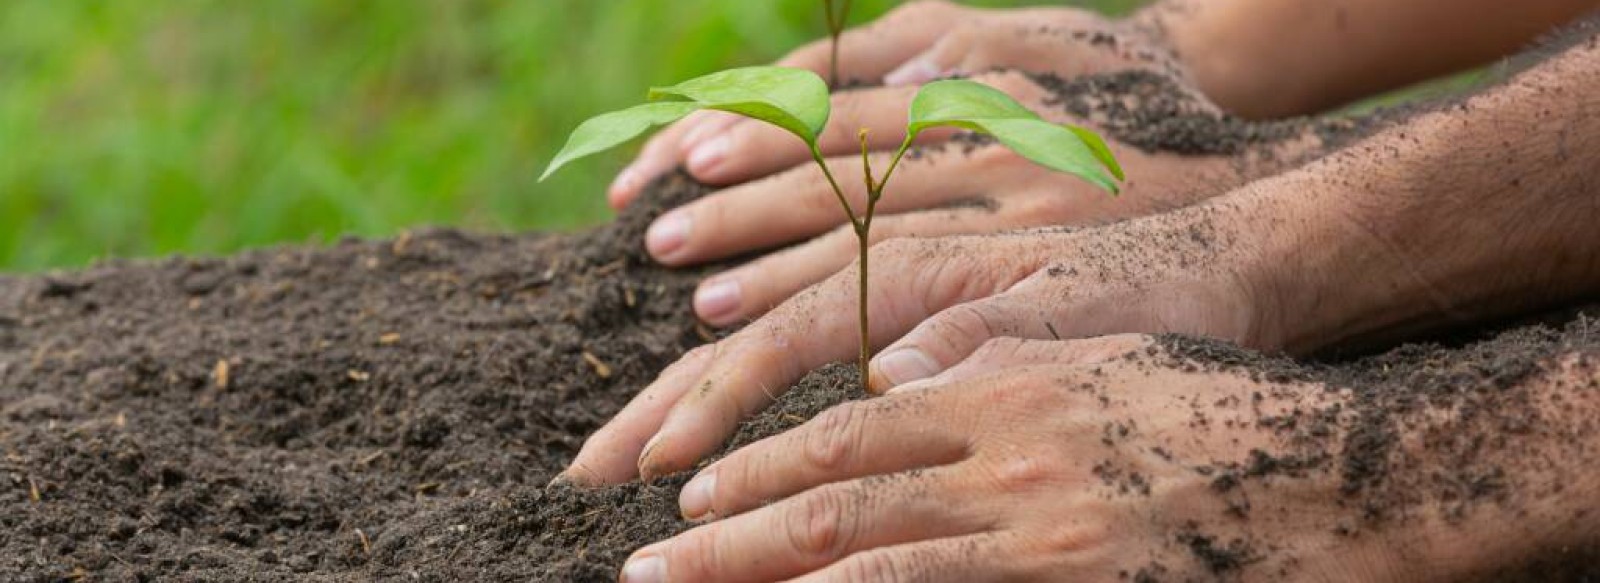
x: 1276, y: 58
x: 1481, y: 210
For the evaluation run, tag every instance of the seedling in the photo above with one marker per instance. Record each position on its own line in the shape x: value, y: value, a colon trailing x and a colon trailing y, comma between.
x: 797, y: 101
x: 837, y: 16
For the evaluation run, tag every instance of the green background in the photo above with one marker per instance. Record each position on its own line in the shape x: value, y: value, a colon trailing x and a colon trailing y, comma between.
x: 145, y: 128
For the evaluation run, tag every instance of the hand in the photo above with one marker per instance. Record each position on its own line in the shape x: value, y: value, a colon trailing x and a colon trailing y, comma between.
x: 950, y: 188
x: 1049, y: 461
x: 1178, y: 272
x: 911, y: 45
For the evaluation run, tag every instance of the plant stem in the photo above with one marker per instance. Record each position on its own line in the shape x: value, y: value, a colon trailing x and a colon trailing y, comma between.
x: 864, y: 241
x: 816, y: 156
x: 837, y: 19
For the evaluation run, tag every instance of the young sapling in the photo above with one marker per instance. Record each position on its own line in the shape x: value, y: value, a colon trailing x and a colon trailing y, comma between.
x: 797, y: 101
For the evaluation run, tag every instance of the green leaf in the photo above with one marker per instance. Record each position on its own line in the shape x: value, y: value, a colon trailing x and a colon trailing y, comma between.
x: 980, y: 108
x: 1100, y: 149
x: 793, y: 99
x: 607, y: 130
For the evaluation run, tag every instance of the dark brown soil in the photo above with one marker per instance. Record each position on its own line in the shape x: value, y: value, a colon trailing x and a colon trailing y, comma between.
x: 1155, y: 113
x: 394, y: 410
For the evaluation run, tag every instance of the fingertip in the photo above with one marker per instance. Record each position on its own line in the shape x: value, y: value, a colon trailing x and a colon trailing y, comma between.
x: 668, y: 234
x: 625, y: 187
x: 694, y: 501
x: 651, y: 468
x: 900, y: 366
x: 717, y: 301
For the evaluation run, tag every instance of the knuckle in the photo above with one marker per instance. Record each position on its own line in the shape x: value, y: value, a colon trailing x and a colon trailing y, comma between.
x: 1077, y: 536
x: 830, y: 445
x: 1026, y: 473
x: 1026, y: 393
x: 1000, y: 348
x: 980, y: 319
x: 826, y: 524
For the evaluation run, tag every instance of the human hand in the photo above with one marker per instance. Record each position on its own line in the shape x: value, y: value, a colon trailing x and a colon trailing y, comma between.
x: 1091, y: 460
x: 938, y: 300
x: 913, y: 44
x: 949, y: 187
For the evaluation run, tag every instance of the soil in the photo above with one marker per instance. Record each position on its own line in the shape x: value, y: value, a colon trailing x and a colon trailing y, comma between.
x: 396, y: 409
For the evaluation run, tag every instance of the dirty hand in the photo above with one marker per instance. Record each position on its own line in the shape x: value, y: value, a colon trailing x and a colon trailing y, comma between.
x: 952, y: 187
x: 1086, y: 460
x: 911, y: 45
x: 937, y: 300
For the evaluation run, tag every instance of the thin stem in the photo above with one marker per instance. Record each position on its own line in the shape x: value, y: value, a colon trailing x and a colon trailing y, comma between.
x: 864, y: 241
x: 816, y: 155
x: 835, y: 28
x: 893, y: 164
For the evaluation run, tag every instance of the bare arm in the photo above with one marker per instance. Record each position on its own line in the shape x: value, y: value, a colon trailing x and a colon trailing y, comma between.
x: 1480, y: 210
x: 1274, y: 58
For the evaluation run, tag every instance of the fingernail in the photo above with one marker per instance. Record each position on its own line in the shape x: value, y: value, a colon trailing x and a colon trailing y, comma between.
x: 649, y: 447
x: 560, y: 481
x: 913, y: 72
x: 695, y: 499
x: 716, y: 299
x: 650, y: 569
x: 626, y: 181
x: 667, y: 234
x: 906, y: 365
x: 707, y: 156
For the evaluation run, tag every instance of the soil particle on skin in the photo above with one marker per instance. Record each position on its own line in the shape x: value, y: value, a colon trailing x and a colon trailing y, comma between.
x: 1472, y: 380
x: 1156, y: 113
x: 1218, y: 557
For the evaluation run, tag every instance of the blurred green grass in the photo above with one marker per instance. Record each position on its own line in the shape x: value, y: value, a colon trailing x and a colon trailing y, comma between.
x: 134, y: 129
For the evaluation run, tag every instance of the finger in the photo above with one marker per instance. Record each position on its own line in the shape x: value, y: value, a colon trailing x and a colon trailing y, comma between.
x: 1069, y: 44
x: 817, y: 528
x: 1005, y: 352
x: 611, y: 455
x: 660, y: 155
x: 868, y: 52
x: 801, y: 203
x: 751, y: 290
x: 972, y: 558
x: 937, y: 62
x: 953, y: 334
x: 760, y: 361
x: 849, y: 441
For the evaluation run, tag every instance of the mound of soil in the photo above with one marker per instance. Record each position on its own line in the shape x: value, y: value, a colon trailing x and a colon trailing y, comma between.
x: 395, y: 409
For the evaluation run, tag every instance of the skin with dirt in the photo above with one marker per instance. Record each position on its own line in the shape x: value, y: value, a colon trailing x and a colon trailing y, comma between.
x: 395, y: 410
